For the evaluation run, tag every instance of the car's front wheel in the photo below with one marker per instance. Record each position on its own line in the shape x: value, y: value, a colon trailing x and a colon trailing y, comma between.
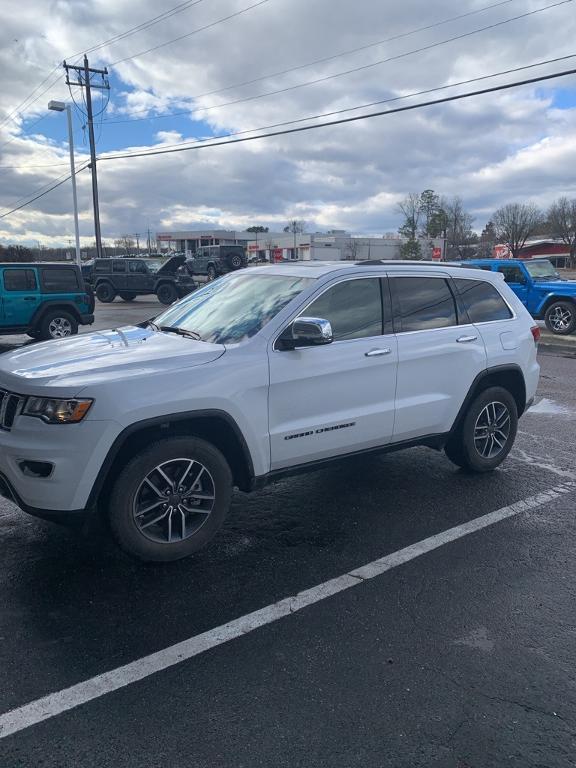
x: 487, y: 433
x: 166, y: 293
x: 560, y: 317
x: 171, y: 499
x: 211, y: 272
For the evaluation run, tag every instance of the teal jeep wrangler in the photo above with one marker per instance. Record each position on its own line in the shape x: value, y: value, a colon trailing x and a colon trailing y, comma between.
x: 46, y: 301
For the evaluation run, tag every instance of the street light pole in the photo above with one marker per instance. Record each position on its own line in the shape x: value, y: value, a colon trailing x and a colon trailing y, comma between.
x: 58, y: 106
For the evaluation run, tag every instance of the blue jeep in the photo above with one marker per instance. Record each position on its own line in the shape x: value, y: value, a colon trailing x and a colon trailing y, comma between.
x: 540, y: 288
x: 46, y: 301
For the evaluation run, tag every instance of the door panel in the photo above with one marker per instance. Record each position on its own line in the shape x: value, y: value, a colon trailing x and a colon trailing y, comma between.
x: 437, y: 359
x: 20, y: 296
x: 338, y: 398
x: 331, y: 400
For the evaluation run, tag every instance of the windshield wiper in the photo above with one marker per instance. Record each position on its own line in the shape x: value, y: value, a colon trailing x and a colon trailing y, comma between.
x: 152, y: 325
x: 180, y: 331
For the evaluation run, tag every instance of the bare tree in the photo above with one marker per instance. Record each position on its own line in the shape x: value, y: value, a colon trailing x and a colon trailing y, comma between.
x: 411, y: 209
x: 296, y: 226
x: 562, y: 221
x: 457, y: 228
x: 352, y: 249
x: 515, y: 223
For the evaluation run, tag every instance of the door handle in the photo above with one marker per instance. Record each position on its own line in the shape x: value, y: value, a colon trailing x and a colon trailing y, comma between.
x: 377, y: 352
x: 29, y: 298
x: 466, y: 339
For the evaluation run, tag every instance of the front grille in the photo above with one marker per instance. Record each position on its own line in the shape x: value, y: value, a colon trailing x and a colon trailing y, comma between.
x: 10, y: 407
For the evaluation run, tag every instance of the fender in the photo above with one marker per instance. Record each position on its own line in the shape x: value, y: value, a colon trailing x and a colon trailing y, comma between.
x: 158, y: 421
x: 549, y: 299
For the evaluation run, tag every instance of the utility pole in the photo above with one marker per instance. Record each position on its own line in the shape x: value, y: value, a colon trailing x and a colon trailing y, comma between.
x: 84, y: 74
x: 137, y: 236
x: 149, y: 243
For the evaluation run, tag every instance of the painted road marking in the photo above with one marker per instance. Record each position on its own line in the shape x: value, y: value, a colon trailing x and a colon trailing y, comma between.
x: 62, y: 701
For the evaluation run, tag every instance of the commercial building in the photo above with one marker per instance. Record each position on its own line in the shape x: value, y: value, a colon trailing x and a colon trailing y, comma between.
x: 334, y: 245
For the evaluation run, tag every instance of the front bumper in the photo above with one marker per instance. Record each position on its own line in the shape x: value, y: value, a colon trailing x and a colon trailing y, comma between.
x: 76, y: 453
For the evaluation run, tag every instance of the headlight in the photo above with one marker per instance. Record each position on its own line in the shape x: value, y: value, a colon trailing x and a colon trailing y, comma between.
x: 57, y: 411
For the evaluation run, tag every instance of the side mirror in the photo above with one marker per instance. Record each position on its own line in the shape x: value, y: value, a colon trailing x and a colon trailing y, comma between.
x: 306, y: 332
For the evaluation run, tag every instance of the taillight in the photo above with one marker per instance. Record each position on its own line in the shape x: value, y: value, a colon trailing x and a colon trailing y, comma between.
x: 536, y: 333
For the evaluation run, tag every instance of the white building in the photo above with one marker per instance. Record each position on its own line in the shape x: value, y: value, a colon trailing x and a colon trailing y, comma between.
x: 334, y: 245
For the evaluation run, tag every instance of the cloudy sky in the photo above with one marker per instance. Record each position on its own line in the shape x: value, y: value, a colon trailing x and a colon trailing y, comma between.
x: 513, y: 146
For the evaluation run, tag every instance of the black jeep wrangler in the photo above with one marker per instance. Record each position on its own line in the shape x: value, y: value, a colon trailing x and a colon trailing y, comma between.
x: 131, y: 277
x: 216, y: 260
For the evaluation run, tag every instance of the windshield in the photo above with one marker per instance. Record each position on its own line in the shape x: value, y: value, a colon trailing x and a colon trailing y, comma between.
x: 541, y: 270
x: 233, y: 308
x: 154, y: 265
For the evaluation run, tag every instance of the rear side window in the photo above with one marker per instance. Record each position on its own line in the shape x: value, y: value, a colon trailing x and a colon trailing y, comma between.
x: 60, y: 280
x: 353, y: 308
x: 119, y: 266
x: 19, y: 280
x: 482, y: 301
x: 423, y: 303
x: 102, y: 266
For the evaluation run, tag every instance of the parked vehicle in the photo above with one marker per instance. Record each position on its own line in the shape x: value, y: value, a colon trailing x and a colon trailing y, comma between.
x: 540, y: 288
x: 130, y: 277
x: 46, y: 301
x: 263, y: 373
x: 216, y: 260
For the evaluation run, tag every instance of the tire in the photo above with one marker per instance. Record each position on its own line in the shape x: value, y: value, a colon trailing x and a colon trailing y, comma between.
x: 235, y: 261
x: 57, y: 324
x: 127, y: 296
x: 482, y: 442
x: 105, y: 293
x: 211, y: 272
x: 166, y: 293
x: 560, y: 318
x: 146, y: 535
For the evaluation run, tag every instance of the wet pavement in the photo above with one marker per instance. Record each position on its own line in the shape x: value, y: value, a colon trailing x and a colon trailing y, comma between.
x: 462, y: 657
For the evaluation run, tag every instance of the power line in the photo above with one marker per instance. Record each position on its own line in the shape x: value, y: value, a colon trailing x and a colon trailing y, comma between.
x: 353, y: 70
x: 39, y: 193
x: 325, y: 59
x: 380, y: 101
x: 207, y: 144
x: 194, y: 32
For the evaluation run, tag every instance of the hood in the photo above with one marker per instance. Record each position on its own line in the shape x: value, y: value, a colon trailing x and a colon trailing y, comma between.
x: 67, y: 366
x: 170, y: 267
x: 567, y: 287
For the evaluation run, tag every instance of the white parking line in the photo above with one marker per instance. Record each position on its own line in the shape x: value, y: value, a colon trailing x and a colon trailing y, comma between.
x: 56, y: 703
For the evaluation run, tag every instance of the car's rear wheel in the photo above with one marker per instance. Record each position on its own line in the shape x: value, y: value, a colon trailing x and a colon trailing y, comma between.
x: 487, y: 433
x: 560, y: 317
x: 105, y: 293
x: 127, y: 296
x: 57, y: 325
x: 171, y: 499
x: 211, y: 272
x: 166, y: 293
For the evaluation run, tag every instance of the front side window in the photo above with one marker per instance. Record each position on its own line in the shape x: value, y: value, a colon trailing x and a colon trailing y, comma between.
x: 353, y: 308
x: 233, y: 308
x: 482, y: 300
x: 512, y: 274
x: 59, y: 280
x: 19, y: 280
x: 424, y: 303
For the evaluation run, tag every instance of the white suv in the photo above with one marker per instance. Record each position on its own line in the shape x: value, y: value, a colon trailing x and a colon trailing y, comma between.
x: 261, y: 373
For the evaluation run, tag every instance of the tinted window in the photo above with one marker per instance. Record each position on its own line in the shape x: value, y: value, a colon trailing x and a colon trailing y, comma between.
x: 482, y: 301
x: 19, y: 280
x: 102, y: 266
x: 137, y: 266
x: 119, y: 266
x: 59, y: 280
x: 512, y: 274
x: 424, y: 302
x: 354, y: 309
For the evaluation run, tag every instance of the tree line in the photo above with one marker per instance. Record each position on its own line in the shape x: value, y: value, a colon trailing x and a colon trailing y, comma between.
x: 427, y: 216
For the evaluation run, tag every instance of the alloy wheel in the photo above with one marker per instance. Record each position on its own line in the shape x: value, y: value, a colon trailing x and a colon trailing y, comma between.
x: 59, y: 328
x: 174, y: 500
x: 492, y: 430
x: 560, y: 319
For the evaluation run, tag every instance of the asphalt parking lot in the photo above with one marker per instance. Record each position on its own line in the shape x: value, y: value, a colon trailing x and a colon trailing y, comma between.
x: 454, y: 647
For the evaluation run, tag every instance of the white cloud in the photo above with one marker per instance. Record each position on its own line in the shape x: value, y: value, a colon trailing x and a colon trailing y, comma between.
x: 510, y: 146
